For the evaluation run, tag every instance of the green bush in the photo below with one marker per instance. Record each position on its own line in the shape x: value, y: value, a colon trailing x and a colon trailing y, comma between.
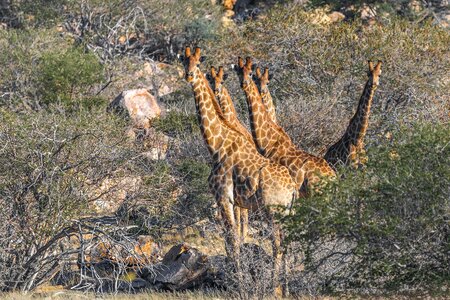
x: 176, y: 123
x: 40, y: 68
x: 67, y: 75
x: 391, y: 219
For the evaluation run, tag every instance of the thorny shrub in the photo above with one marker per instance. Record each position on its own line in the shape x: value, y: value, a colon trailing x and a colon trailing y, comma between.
x: 385, y: 227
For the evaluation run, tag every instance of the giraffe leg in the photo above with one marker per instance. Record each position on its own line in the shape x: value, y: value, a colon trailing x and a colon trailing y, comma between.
x: 222, y: 185
x: 237, y: 216
x: 277, y: 255
x: 244, y: 223
x: 229, y: 223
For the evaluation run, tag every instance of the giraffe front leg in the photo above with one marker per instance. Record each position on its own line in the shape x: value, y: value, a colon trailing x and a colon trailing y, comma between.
x: 277, y: 254
x: 244, y: 223
x: 229, y: 224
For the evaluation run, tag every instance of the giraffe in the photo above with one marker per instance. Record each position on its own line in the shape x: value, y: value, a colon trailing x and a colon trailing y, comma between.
x: 216, y: 79
x: 262, y: 80
x: 238, y: 168
x: 273, y: 142
x: 349, y: 149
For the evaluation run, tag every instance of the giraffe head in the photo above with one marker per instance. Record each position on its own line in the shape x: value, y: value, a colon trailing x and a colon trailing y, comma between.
x: 244, y: 71
x: 191, y: 61
x: 216, y: 79
x: 262, y: 79
x: 374, y: 72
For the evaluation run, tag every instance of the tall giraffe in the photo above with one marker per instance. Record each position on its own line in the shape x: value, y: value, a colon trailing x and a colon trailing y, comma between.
x: 238, y: 167
x: 350, y: 148
x: 273, y: 142
x: 262, y: 80
x: 216, y: 79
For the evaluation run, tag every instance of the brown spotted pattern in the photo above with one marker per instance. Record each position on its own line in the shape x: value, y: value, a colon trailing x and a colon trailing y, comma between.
x: 238, y: 167
x: 273, y: 142
x: 262, y: 80
x: 349, y: 150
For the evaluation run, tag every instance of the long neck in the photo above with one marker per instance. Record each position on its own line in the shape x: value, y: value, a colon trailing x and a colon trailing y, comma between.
x: 357, y: 128
x: 226, y: 104
x: 268, y: 103
x: 258, y: 115
x: 230, y: 114
x: 208, y: 113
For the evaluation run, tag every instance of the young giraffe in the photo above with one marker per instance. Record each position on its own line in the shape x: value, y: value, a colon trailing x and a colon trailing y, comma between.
x: 350, y: 148
x: 238, y: 167
x: 262, y: 80
x: 216, y: 78
x: 273, y: 142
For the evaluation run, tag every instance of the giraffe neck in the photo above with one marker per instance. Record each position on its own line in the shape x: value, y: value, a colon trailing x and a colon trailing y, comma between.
x: 208, y: 112
x: 358, y: 124
x: 268, y: 103
x: 226, y: 104
x: 258, y: 115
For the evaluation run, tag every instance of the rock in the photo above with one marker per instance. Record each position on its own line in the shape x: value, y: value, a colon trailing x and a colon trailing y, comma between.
x: 367, y: 12
x: 322, y: 16
x: 336, y: 16
x: 182, y: 268
x: 139, y: 284
x: 140, y: 106
x: 158, y: 78
x: 229, y: 4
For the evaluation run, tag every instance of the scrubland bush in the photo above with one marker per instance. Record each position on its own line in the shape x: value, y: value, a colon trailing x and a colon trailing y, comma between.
x: 320, y: 71
x: 42, y: 69
x: 49, y: 164
x: 68, y: 75
x: 386, y: 227
x: 144, y: 28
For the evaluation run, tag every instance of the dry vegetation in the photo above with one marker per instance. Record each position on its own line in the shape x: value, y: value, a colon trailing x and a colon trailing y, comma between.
x: 64, y: 158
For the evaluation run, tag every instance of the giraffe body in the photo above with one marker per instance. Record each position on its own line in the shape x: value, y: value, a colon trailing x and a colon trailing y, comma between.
x: 349, y: 149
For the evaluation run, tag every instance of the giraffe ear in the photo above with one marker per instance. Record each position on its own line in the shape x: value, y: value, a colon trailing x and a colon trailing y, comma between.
x: 370, y: 66
x: 202, y: 58
x: 257, y: 73
x: 181, y: 57
x: 209, y: 77
x: 378, y: 66
x: 270, y: 76
x: 225, y: 76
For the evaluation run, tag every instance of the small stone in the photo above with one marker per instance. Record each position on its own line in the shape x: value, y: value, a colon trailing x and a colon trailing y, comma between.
x: 336, y: 16
x: 139, y: 283
x: 140, y: 106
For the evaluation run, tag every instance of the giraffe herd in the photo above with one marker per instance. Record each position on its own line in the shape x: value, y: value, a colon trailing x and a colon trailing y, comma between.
x: 262, y: 170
